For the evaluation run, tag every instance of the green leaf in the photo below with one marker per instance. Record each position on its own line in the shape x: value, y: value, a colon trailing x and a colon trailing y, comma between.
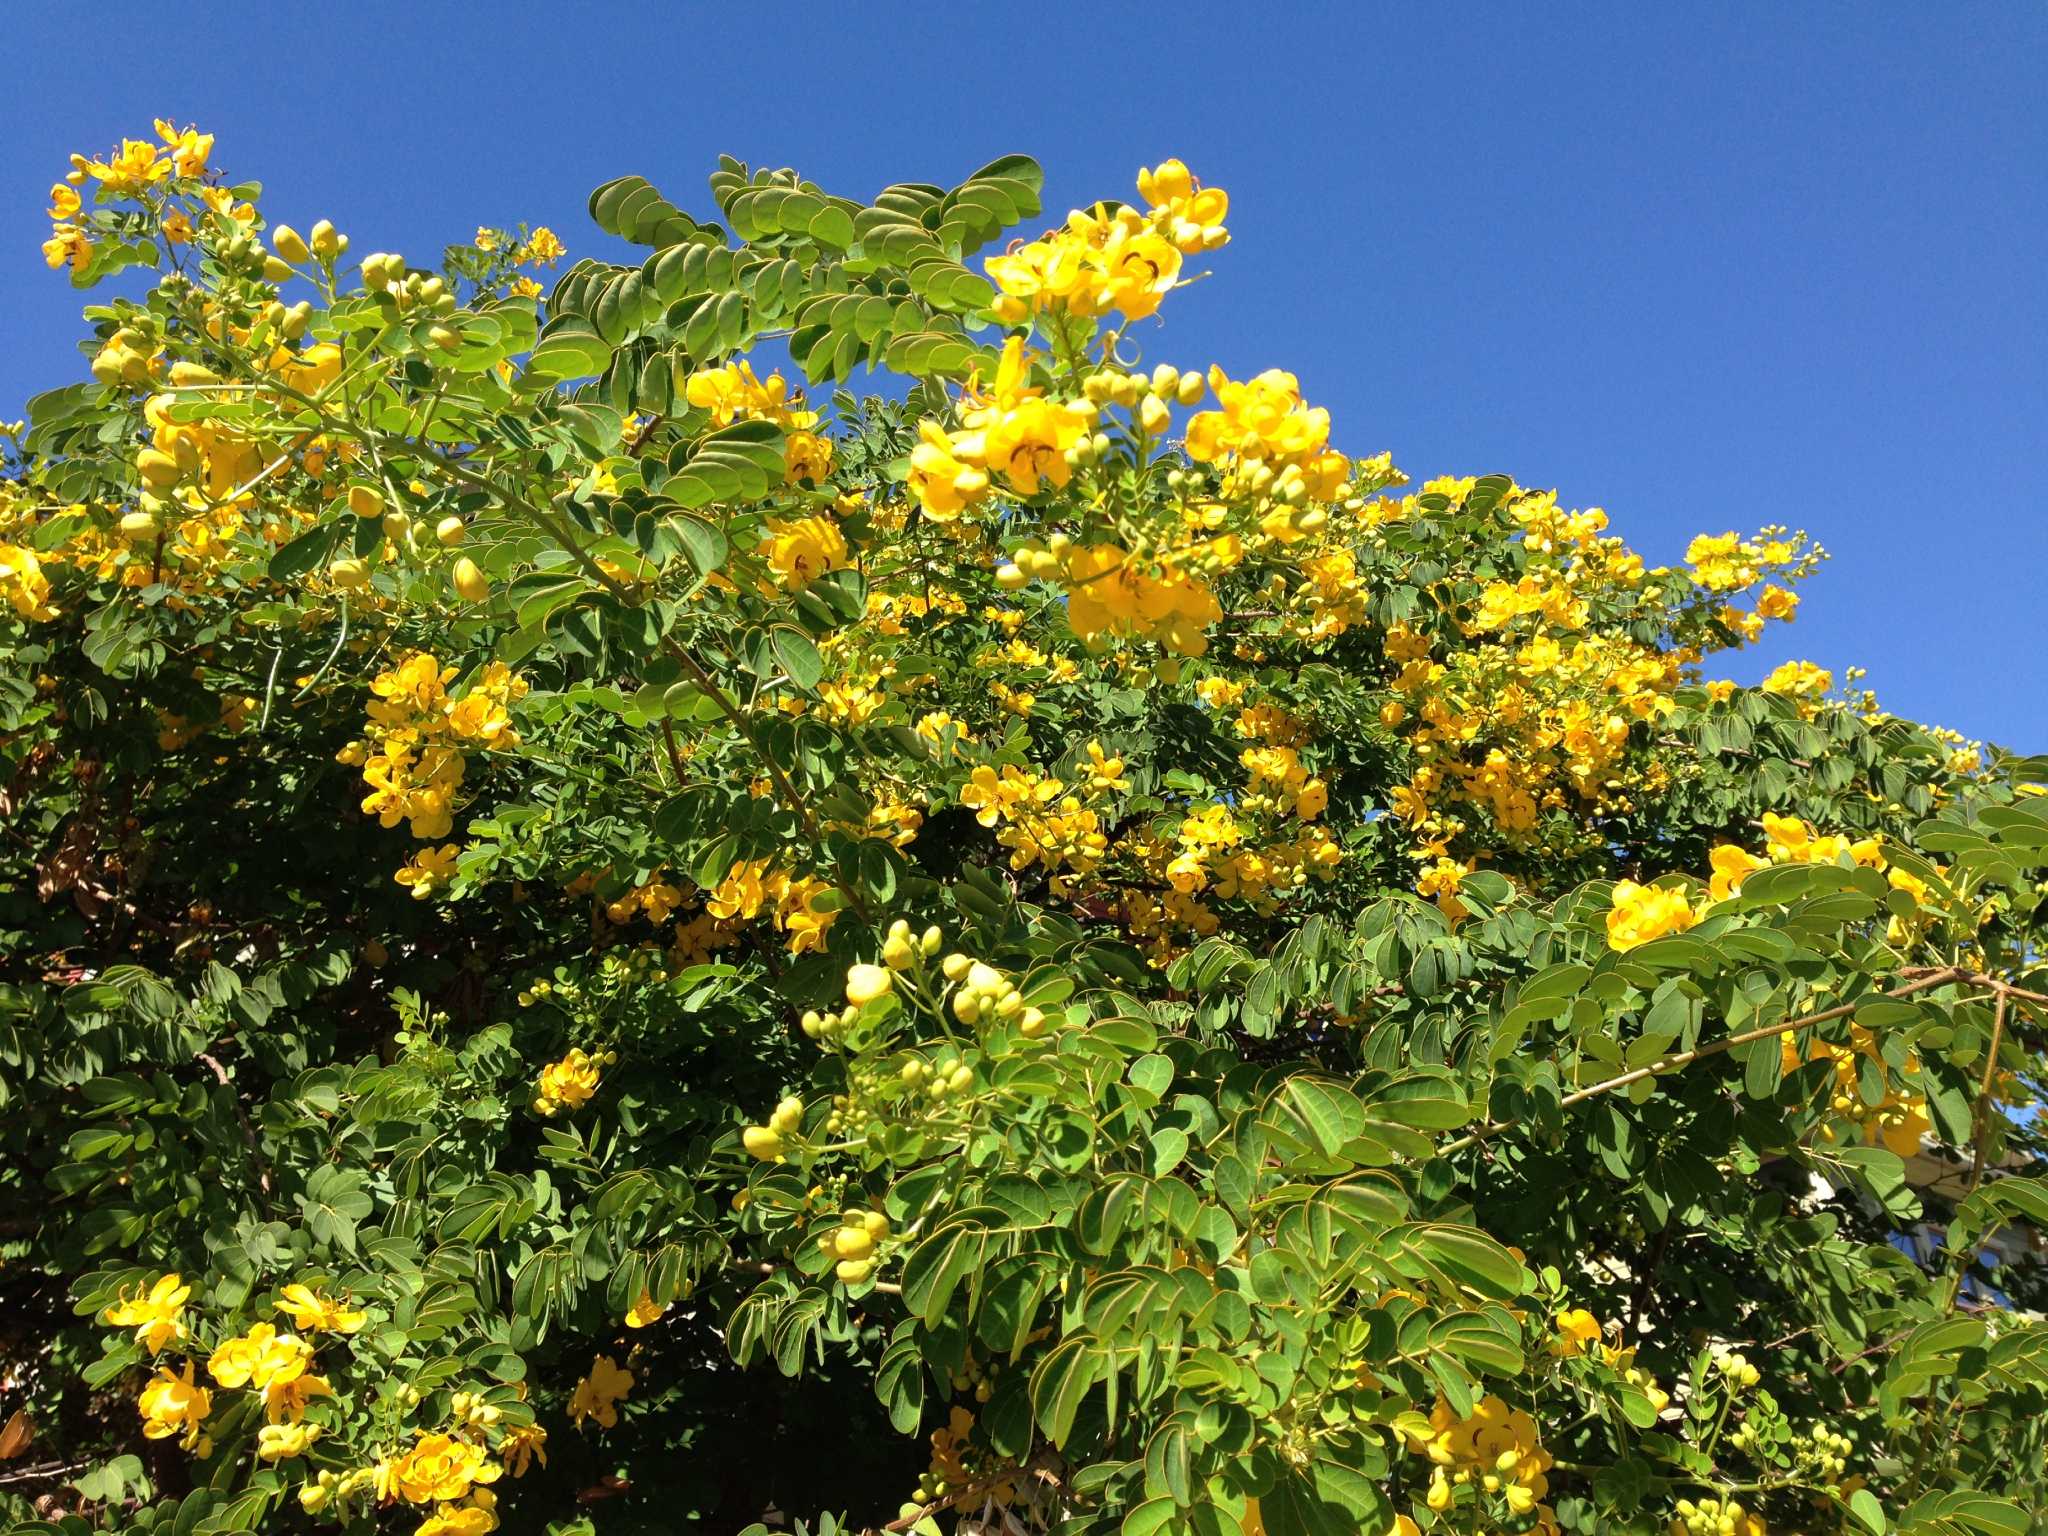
x: 1864, y: 1505
x: 797, y: 656
x: 1061, y: 1381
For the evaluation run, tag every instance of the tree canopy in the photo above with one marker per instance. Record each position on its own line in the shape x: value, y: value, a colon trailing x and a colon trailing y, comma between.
x: 605, y: 933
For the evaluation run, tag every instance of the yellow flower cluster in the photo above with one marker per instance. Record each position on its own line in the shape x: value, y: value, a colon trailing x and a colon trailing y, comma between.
x: 1113, y: 258
x: 1897, y: 1121
x: 1011, y: 430
x: 754, y: 883
x: 1640, y: 913
x: 1040, y: 822
x: 732, y: 392
x: 1713, y: 1517
x: 23, y: 584
x: 276, y: 1365
x: 571, y: 1082
x: 450, y: 1472
x: 1496, y: 1452
x: 412, y: 755
x: 598, y: 1395
x: 1537, y: 716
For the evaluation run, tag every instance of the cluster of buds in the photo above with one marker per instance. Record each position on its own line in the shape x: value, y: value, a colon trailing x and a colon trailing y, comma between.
x: 766, y: 1141
x: 977, y: 1379
x: 1736, y: 1369
x: 984, y: 992
x: 1148, y: 397
x: 947, y: 1077
x: 1712, y: 1517
x: 335, y: 1488
x: 852, y: 1244
x: 324, y: 243
x: 471, y: 1408
x: 126, y: 358
x: 1826, y: 1451
x: 1035, y: 561
x: 384, y: 273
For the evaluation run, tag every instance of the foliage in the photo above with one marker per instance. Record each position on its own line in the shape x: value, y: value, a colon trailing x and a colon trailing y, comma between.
x: 594, y: 943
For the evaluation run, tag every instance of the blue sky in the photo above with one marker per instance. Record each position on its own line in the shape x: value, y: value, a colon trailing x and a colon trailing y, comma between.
x: 1707, y: 267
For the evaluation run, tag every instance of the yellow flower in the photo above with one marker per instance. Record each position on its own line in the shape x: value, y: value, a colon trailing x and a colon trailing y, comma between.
x: 1441, y: 881
x: 524, y: 288
x: 64, y: 202
x: 486, y: 239
x: 477, y: 1517
x: 1644, y: 912
x: 175, y: 1405
x: 644, y: 1311
x: 1777, y: 603
x: 285, y: 1400
x: 542, y: 249
x: 441, y: 1467
x: 1721, y: 690
x: 566, y: 1084
x: 1800, y: 679
x: 1731, y: 866
x: 315, y: 1313
x: 67, y: 246
x: 1028, y: 443
x: 135, y: 168
x: 526, y: 1444
x: 598, y: 1395
x: 260, y: 1358
x: 157, y: 1315
x: 943, y: 478
x: 803, y: 549
x: 1576, y: 1328
x: 430, y: 870
x: 189, y: 148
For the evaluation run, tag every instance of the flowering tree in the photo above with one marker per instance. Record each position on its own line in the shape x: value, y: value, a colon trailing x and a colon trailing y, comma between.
x: 602, y: 939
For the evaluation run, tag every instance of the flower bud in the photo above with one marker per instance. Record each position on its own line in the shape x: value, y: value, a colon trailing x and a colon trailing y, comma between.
x: 866, y: 983
x: 471, y: 584
x: 285, y: 240
x: 326, y: 242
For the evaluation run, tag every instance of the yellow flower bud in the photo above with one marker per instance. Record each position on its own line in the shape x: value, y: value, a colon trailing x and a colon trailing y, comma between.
x: 277, y: 271
x: 289, y: 245
x: 955, y: 966
x: 853, y: 1242
x: 139, y: 526
x: 763, y: 1142
x: 450, y: 531
x: 366, y: 501
x: 326, y: 242
x: 158, y: 469
x: 348, y: 574
x: 866, y: 983
x: 470, y: 582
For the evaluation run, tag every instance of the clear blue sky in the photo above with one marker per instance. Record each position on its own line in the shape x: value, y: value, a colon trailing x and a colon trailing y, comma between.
x: 1705, y: 266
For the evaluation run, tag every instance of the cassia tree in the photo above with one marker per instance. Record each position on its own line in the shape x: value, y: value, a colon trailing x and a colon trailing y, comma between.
x: 603, y: 936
